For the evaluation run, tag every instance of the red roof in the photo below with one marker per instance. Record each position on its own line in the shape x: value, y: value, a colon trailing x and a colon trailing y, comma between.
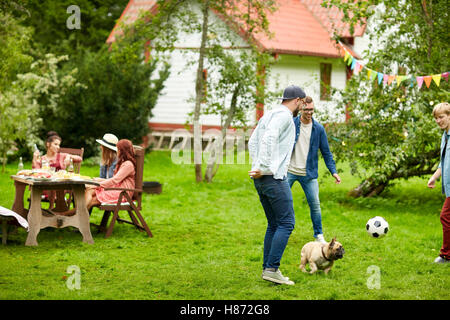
x: 301, y: 27
x: 331, y: 18
x: 130, y: 14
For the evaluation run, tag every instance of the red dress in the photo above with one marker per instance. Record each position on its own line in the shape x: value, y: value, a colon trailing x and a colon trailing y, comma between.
x: 124, y: 178
x: 58, y: 163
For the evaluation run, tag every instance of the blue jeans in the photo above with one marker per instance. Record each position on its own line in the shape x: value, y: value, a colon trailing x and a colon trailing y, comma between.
x: 311, y: 189
x: 276, y: 199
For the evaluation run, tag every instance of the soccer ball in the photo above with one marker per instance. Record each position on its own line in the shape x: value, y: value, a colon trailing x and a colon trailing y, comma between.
x: 377, y: 227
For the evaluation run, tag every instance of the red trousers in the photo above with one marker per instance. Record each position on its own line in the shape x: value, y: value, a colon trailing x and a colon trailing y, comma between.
x: 445, y: 220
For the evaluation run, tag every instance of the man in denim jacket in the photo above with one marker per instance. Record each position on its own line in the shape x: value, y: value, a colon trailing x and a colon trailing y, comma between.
x: 270, y: 148
x: 310, y: 137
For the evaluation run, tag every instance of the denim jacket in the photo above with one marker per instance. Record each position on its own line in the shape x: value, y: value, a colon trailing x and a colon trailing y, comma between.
x: 270, y: 145
x: 107, y: 172
x: 318, y: 141
x: 445, y: 167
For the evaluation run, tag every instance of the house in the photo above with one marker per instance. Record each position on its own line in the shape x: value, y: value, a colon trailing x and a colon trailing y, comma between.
x: 305, y: 55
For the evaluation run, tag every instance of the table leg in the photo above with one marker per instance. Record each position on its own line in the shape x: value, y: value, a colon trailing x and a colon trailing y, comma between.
x: 82, y: 213
x: 34, y: 217
x: 4, y: 231
x: 18, y: 199
x: 60, y: 201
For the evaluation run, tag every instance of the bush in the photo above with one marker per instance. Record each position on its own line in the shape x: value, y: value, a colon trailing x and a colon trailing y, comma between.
x: 113, y: 97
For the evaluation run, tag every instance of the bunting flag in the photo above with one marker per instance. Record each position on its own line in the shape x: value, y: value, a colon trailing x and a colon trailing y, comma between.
x: 445, y: 76
x: 436, y: 78
x: 380, y: 77
x: 373, y: 75
x: 399, y: 80
x: 419, y: 81
x: 347, y: 55
x: 427, y: 80
x: 390, y: 79
x: 357, y: 66
x: 350, y: 59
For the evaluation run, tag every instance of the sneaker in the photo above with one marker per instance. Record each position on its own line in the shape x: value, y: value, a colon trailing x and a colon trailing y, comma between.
x: 276, y: 277
x: 441, y: 260
x: 264, y: 270
x: 320, y: 238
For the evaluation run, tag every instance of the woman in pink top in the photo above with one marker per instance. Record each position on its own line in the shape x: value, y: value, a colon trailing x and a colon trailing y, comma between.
x: 124, y: 177
x: 56, y: 159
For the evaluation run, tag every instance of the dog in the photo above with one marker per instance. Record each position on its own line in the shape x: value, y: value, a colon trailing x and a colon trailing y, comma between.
x: 321, y: 256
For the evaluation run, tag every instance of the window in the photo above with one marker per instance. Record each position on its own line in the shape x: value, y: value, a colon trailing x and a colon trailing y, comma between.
x: 325, y: 81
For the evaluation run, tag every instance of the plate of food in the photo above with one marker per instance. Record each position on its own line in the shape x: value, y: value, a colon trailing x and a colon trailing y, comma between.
x: 41, y: 175
x: 41, y: 179
x: 24, y: 173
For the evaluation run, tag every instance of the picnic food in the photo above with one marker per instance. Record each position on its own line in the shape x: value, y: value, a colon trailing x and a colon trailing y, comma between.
x: 24, y: 173
x: 63, y: 174
x: 35, y: 173
x: 60, y: 175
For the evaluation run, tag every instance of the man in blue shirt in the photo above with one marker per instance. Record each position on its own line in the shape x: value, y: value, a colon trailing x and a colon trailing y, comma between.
x: 441, y: 114
x: 270, y: 148
x: 303, y: 167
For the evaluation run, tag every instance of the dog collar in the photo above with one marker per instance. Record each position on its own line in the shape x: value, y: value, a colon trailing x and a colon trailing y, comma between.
x: 323, y: 254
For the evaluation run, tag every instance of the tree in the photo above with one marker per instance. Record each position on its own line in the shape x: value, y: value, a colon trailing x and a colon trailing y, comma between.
x: 236, y: 77
x: 25, y: 84
x: 14, y: 49
x: 391, y: 133
x: 116, y: 94
x: 41, y: 87
x: 233, y: 93
x: 49, y: 20
x: 245, y: 18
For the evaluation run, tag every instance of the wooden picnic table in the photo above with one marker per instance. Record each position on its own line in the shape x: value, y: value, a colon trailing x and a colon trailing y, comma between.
x: 37, y: 220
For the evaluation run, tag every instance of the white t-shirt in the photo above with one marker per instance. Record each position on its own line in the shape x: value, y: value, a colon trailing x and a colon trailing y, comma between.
x: 297, y: 165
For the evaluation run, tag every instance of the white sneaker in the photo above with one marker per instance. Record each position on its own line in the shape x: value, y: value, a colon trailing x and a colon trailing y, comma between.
x: 320, y: 238
x: 276, y: 277
x: 441, y: 260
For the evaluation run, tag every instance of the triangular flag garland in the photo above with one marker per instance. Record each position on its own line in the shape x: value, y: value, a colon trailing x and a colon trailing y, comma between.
x: 357, y: 67
x: 419, y: 81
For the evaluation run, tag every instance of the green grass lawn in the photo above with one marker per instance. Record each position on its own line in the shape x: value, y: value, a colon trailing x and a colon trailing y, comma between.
x: 208, y: 243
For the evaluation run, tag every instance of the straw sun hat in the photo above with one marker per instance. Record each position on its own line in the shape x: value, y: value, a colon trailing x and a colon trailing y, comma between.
x: 109, y: 140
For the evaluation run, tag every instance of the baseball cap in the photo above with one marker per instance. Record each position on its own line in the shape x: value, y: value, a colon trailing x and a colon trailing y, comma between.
x: 293, y: 92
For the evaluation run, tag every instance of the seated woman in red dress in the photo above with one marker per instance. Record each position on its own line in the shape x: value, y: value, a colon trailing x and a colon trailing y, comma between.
x: 124, y: 176
x: 55, y: 159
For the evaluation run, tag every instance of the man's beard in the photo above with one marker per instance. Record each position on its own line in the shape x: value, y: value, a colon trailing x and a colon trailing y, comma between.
x: 295, y: 113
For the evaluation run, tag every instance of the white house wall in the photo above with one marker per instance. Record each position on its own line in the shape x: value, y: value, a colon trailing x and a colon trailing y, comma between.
x: 177, y: 99
x: 304, y: 71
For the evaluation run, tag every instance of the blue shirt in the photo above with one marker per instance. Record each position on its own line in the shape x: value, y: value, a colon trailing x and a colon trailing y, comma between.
x: 444, y: 164
x: 107, y: 172
x: 270, y: 145
x: 318, y: 141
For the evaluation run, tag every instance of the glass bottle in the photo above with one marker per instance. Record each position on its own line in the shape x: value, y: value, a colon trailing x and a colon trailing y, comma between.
x: 39, y: 153
x: 20, y: 166
x: 45, y: 164
x: 70, y: 167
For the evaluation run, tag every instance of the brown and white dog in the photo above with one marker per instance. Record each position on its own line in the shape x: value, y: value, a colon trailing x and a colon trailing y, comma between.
x: 321, y: 256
